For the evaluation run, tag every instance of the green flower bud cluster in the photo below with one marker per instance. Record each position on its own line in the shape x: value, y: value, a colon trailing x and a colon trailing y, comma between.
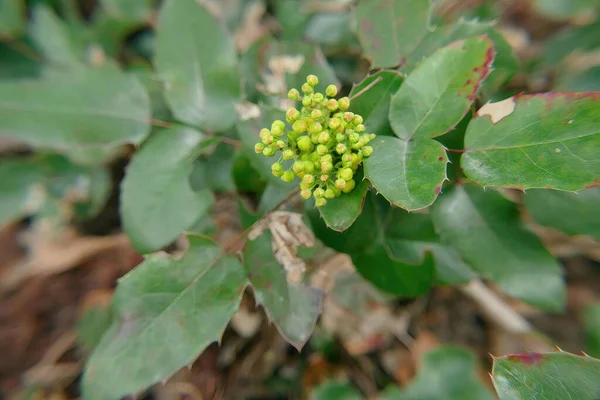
x: 324, y: 143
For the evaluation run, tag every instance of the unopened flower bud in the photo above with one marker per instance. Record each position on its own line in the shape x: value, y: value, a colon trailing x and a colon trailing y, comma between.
x: 326, y: 158
x: 318, y: 193
x: 308, y: 179
x: 268, y: 151
x: 348, y: 116
x: 354, y: 137
x: 340, y: 183
x: 309, y: 166
x: 331, y: 91
x: 316, y: 114
x: 349, y: 186
x: 305, y: 144
x: 288, y: 176
x: 306, y: 101
x: 293, y: 94
x: 332, y: 105
x: 358, y: 145
x: 292, y: 115
x: 306, y: 194
x: 299, y: 126
x: 277, y: 167
x: 334, y: 124
x: 288, y: 154
x: 264, y: 132
x: 320, y: 202
x: 346, y: 174
x: 318, y: 98
x: 298, y: 167
x: 367, y: 151
x: 340, y: 137
x: 306, y: 88
x: 324, y: 178
x: 329, y: 194
x: 344, y: 103
x: 357, y: 120
x: 360, y: 128
x: 326, y: 167
x: 258, y: 148
x: 315, y: 128
x: 341, y: 148
x: 280, y: 144
x: 291, y: 135
x: 312, y: 80
x: 324, y: 137
x: 322, y: 150
x: 347, y: 158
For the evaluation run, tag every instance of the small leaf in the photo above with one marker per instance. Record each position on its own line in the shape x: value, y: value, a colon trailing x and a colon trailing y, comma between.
x: 340, y: 213
x: 85, y: 108
x: 499, y: 247
x: 22, y: 189
x: 389, y: 31
x: 196, y: 59
x: 571, y: 213
x: 175, y: 308
x: 374, y: 104
x: 551, y: 376
x: 157, y: 202
x: 591, y: 323
x: 12, y: 18
x: 438, y: 93
x: 448, y: 373
x: 335, y: 390
x: 548, y: 140
x: 408, y: 174
x: 52, y: 38
x: 293, y: 309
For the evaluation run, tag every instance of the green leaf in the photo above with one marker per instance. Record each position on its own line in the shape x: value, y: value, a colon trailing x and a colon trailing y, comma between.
x: 12, y: 18
x: 53, y: 39
x: 84, y: 108
x: 399, y: 278
x: 340, y: 213
x: 409, y: 236
x: 389, y: 31
x: 551, y: 376
x: 591, y: 323
x: 438, y: 93
x: 548, y: 140
x: 331, y: 29
x: 173, y: 307
x: 130, y: 10
x: 197, y: 61
x: 498, y: 246
x: 573, y: 39
x: 571, y: 213
x: 448, y: 373
x: 92, y: 325
x: 157, y: 202
x: 335, y: 390
x: 407, y: 173
x: 374, y: 104
x: 564, y: 9
x: 293, y: 309
x: 22, y: 189
x: 586, y: 80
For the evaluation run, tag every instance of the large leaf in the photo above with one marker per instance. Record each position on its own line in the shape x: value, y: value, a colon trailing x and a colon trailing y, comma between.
x: 157, y: 202
x: 53, y: 39
x: 438, y: 93
x: 12, y: 18
x: 340, y: 213
x: 571, y: 213
x: 448, y: 373
x: 549, y: 140
x: 293, y: 308
x: 374, y: 103
x: 196, y: 59
x: 553, y: 376
x: 21, y: 192
x: 166, y: 312
x: 84, y: 108
x: 409, y: 236
x: 407, y: 173
x: 389, y: 31
x: 487, y: 231
x: 591, y: 322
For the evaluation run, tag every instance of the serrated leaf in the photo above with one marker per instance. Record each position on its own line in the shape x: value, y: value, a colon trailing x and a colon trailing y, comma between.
x: 550, y: 376
x: 407, y: 173
x: 548, y: 140
x: 196, y: 59
x: 409, y: 236
x: 173, y: 307
x: 84, y: 108
x: 499, y: 247
x: 53, y: 39
x: 340, y: 213
x: 374, y: 104
x: 293, y: 309
x: 157, y: 201
x: 12, y: 18
x: 389, y: 31
x: 335, y: 390
x: 448, y: 373
x: 21, y: 193
x: 571, y: 213
x: 438, y: 93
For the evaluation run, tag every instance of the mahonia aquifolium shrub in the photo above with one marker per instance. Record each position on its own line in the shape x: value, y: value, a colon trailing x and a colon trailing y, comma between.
x: 324, y: 146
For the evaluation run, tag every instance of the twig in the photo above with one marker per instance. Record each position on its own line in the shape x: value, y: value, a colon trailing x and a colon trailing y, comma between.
x: 162, y: 124
x: 459, y: 151
x: 233, y: 142
x: 369, y: 86
x: 495, y: 308
x: 25, y: 50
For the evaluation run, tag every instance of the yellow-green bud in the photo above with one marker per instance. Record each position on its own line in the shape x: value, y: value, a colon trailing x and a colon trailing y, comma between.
x: 309, y: 166
x: 288, y: 176
x: 353, y: 136
x: 277, y: 131
x: 293, y: 94
x: 367, y: 151
x: 331, y: 91
x: 340, y: 137
x: 344, y: 103
x: 326, y: 157
x: 320, y: 202
x: 268, y: 151
x: 334, y: 124
x: 332, y: 105
x: 358, y: 145
x: 306, y: 101
x: 291, y: 135
x: 346, y: 174
x: 357, y: 119
x: 315, y: 128
x: 277, y: 167
x: 308, y: 179
x: 263, y: 133
x: 258, y: 148
x: 299, y: 126
x: 347, y: 158
x: 298, y: 167
x: 277, y: 173
x: 326, y: 167
x: 306, y: 88
x: 312, y: 80
x: 278, y: 123
x: 360, y: 128
x: 318, y: 193
x: 322, y: 150
x: 304, y: 143
x: 318, y: 98
x: 366, y: 138
x: 341, y: 148
x: 324, y: 137
x: 306, y: 194
x: 280, y: 144
x: 348, y: 116
x: 340, y: 183
x: 349, y: 186
x: 316, y: 114
x: 372, y: 136
x: 324, y: 178
x: 329, y: 194
x: 288, y: 154
x: 292, y: 115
